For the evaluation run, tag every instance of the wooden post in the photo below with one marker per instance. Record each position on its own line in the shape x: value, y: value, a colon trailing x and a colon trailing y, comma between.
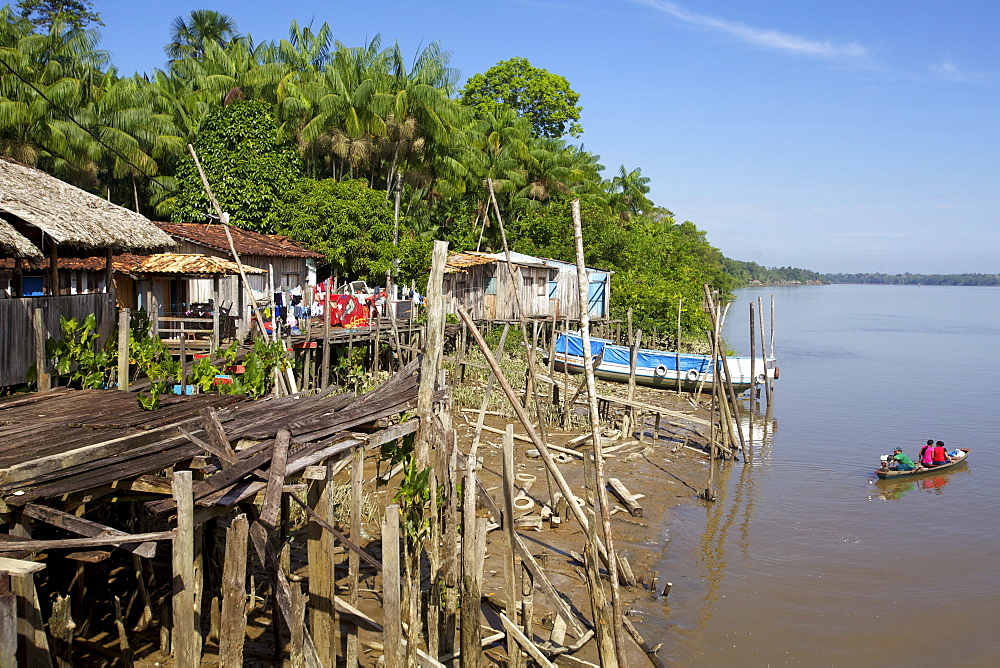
x: 392, y: 613
x: 325, y: 376
x: 677, y: 350
x: 353, y: 559
x: 234, y: 616
x: 61, y: 626
x: 8, y: 624
x: 616, y: 604
x: 527, y: 602
x: 768, y: 383
x: 513, y: 649
x: 41, y: 363
x: 633, y: 360
x: 470, y: 634
x: 432, y: 352
x: 322, y: 585
x: 186, y: 644
x: 753, y: 380
x: 124, y: 320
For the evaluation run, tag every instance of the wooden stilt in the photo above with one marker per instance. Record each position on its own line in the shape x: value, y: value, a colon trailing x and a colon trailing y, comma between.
x: 234, y: 615
x: 392, y: 612
x: 186, y: 634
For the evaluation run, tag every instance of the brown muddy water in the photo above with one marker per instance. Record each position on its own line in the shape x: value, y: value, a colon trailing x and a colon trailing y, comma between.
x: 801, y: 561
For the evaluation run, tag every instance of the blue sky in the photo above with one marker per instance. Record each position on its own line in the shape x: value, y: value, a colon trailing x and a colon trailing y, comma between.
x: 835, y: 136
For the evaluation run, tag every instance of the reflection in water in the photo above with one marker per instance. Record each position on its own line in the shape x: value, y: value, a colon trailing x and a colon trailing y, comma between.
x: 722, y: 516
x: 893, y: 490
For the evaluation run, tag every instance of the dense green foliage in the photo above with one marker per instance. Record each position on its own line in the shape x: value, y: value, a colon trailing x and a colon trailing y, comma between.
x: 542, y: 97
x: 249, y: 168
x: 318, y: 139
x: 353, y: 226
x: 745, y: 273
x: 916, y: 279
x: 45, y: 13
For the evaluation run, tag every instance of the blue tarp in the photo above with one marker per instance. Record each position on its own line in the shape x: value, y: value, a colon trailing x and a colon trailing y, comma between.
x: 647, y: 359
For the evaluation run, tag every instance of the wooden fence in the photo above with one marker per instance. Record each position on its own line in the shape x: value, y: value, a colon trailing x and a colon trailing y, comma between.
x: 17, y: 333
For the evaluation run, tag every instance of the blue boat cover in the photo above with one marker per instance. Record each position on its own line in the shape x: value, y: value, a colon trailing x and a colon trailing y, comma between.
x: 647, y: 359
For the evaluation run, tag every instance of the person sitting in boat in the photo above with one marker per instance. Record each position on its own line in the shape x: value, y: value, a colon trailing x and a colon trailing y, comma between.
x: 941, y: 455
x: 927, y: 453
x: 903, y: 463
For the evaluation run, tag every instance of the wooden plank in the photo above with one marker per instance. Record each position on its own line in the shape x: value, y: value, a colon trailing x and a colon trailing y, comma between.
x: 217, y: 436
x: 18, y: 567
x: 626, y: 497
x: 94, y: 452
x: 84, y: 527
x: 276, y: 480
x: 71, y: 543
x: 514, y: 632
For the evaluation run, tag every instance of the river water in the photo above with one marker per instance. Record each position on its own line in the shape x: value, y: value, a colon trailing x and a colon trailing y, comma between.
x: 803, y: 561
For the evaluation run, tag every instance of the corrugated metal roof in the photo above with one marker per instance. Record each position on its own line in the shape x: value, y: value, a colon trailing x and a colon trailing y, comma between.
x: 176, y: 263
x: 462, y: 260
x: 162, y: 263
x: 246, y: 242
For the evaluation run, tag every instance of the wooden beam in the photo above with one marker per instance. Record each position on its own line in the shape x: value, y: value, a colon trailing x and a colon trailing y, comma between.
x: 72, y: 543
x: 75, y: 524
x: 186, y: 645
x: 18, y: 567
x: 276, y: 480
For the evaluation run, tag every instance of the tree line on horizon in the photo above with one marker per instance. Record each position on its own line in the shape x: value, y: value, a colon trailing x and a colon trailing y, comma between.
x: 326, y: 142
x: 916, y: 279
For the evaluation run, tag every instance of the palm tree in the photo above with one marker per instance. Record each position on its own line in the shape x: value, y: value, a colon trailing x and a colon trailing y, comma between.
x: 628, y: 193
x: 189, y: 37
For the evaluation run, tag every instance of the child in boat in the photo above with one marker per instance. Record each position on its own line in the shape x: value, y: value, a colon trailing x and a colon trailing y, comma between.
x: 903, y: 463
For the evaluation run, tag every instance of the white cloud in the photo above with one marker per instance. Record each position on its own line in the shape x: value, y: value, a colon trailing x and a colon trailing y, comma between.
x: 771, y: 39
x: 948, y: 71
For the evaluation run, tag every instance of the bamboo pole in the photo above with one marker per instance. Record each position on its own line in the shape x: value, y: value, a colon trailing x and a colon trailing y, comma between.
x: 588, y: 365
x: 224, y: 219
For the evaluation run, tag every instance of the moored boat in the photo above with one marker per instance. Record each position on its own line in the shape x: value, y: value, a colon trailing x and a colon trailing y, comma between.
x: 658, y: 368
x: 889, y: 474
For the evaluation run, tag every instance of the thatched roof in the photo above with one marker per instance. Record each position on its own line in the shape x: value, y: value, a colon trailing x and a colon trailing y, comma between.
x: 14, y: 244
x: 72, y: 217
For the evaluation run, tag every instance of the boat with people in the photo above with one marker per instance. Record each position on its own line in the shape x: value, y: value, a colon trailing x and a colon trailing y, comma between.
x: 956, y: 457
x: 658, y: 368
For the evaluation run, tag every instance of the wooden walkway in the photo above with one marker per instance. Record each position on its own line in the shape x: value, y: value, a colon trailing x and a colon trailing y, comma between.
x: 71, y: 441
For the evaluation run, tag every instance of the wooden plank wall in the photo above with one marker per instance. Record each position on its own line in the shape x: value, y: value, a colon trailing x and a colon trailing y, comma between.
x: 17, y: 338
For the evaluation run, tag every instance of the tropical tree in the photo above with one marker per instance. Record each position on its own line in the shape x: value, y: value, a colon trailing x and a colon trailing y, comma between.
x: 628, y: 193
x: 74, y: 14
x: 546, y: 99
x: 249, y: 167
x: 189, y: 37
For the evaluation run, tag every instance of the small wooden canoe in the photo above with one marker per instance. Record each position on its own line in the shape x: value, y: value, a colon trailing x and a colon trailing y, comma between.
x: 889, y: 474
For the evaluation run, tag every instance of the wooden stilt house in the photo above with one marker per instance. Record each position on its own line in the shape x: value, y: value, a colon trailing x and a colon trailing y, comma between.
x: 482, y: 283
x: 58, y: 220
